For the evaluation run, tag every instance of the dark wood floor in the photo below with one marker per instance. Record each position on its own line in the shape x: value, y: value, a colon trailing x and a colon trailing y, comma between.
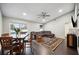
x: 62, y: 49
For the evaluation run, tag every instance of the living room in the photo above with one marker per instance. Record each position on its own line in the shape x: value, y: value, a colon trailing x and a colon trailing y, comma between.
x: 45, y: 21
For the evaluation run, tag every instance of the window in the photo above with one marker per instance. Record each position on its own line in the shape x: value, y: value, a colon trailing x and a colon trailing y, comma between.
x: 21, y: 26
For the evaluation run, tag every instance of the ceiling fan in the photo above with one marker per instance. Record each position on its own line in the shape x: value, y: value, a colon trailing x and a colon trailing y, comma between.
x: 43, y: 15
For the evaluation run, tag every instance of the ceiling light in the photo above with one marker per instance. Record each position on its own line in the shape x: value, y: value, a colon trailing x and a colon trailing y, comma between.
x: 41, y: 29
x: 24, y: 14
x: 60, y: 10
x: 43, y: 20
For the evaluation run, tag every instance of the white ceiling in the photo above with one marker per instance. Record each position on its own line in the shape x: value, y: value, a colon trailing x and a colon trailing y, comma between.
x: 34, y: 9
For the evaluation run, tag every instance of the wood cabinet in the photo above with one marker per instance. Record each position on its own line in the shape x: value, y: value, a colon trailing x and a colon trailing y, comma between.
x: 71, y: 40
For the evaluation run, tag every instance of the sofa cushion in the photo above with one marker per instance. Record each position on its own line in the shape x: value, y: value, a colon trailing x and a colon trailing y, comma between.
x: 39, y: 39
x: 47, y: 39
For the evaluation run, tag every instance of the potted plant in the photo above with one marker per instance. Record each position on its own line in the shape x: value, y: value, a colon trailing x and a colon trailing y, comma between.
x: 17, y: 30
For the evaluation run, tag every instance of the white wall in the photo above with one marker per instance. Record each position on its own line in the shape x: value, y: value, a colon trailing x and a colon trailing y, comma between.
x: 0, y: 23
x: 58, y: 27
x: 31, y: 26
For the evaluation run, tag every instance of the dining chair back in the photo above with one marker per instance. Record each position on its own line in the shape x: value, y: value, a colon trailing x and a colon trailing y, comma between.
x: 6, y: 44
x: 5, y: 35
x: 18, y: 46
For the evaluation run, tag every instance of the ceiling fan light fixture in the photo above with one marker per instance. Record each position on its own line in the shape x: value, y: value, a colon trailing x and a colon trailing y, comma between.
x: 44, y: 20
x: 60, y: 10
x: 24, y: 14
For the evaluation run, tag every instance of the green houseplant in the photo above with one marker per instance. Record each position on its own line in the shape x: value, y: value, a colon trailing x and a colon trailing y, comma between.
x: 17, y: 30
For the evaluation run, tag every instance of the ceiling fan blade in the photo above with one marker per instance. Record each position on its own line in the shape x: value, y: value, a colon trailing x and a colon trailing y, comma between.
x: 78, y: 14
x: 47, y: 15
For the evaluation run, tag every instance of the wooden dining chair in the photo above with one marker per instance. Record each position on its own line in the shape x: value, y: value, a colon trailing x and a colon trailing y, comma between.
x: 6, y: 44
x: 18, y: 46
x: 11, y: 48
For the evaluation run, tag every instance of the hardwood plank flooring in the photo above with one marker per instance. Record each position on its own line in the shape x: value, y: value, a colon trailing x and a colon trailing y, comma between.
x: 64, y: 50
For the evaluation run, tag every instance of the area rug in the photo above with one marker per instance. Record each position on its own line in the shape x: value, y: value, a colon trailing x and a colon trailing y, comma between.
x: 54, y: 44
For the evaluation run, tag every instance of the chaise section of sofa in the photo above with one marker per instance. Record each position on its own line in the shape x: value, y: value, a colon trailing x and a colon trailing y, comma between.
x: 39, y: 49
x: 47, y: 47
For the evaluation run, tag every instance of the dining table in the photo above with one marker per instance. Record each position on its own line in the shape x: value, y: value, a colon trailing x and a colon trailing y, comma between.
x: 20, y: 38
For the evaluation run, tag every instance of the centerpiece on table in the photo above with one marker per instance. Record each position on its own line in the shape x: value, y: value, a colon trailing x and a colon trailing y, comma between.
x: 17, y: 30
